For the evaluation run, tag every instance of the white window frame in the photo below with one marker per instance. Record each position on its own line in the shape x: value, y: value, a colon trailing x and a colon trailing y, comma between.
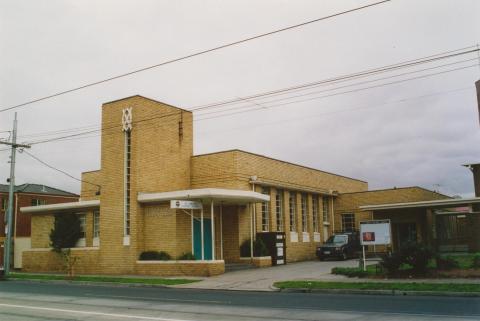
x: 279, y: 210
x: 292, y: 208
x: 265, y: 211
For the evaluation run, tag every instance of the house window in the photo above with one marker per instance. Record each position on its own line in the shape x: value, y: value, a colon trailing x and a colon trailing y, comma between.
x: 348, y: 222
x: 304, y: 213
x: 315, y: 213
x: 292, y: 204
x: 37, y: 202
x: 265, y: 210
x: 82, y: 218
x: 279, y: 209
x: 96, y: 224
x: 326, y: 211
x: 4, y: 203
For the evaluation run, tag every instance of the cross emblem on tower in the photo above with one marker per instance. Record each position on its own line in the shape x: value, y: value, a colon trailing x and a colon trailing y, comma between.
x: 127, y: 119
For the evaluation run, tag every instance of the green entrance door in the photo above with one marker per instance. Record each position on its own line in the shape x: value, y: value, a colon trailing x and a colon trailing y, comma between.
x: 207, y: 239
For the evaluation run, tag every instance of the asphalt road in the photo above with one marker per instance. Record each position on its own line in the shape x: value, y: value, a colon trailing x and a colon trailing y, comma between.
x: 20, y: 300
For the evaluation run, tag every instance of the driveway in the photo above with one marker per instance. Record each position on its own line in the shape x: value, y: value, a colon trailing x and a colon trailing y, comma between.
x: 262, y: 279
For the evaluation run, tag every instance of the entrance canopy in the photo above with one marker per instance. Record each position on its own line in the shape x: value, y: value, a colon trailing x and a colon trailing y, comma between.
x: 60, y: 207
x: 219, y: 195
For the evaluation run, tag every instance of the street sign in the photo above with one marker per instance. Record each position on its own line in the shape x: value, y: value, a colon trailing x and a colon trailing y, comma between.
x: 186, y: 205
x: 375, y: 232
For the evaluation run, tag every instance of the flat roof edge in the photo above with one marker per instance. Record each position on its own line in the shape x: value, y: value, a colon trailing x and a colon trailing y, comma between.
x: 422, y: 204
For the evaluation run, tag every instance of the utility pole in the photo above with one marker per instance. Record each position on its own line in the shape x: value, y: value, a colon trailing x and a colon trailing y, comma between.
x: 9, y: 217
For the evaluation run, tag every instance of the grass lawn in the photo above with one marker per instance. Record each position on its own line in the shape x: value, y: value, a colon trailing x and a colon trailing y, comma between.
x: 413, y: 286
x: 108, y: 279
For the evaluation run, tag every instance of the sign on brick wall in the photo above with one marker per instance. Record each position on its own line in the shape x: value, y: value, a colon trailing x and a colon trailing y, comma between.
x: 185, y: 205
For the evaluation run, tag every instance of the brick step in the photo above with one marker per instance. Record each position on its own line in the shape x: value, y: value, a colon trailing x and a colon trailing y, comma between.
x: 238, y: 267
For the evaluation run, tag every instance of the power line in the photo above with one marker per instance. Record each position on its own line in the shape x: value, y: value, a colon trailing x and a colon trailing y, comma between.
x: 251, y: 109
x: 365, y: 73
x: 231, y: 44
x: 398, y: 66
x: 59, y: 170
x: 399, y: 101
x: 342, y: 93
x: 263, y: 104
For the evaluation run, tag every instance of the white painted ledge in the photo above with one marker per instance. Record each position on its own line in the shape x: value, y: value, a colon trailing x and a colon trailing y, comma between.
x: 181, y: 262
x: 293, y: 237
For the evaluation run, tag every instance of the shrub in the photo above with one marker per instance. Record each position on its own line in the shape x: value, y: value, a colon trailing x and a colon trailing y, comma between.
x: 417, y: 256
x: 350, y: 272
x: 391, y: 263
x: 446, y: 263
x: 187, y: 256
x: 476, y: 261
x: 155, y: 256
x: 259, y: 248
x: 66, y: 232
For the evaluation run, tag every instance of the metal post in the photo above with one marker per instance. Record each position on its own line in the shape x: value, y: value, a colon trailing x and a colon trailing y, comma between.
x: 8, y: 218
x: 251, y: 232
x: 201, y: 232
x: 221, y: 231
x: 192, y: 230
x: 364, y: 263
x: 212, y: 221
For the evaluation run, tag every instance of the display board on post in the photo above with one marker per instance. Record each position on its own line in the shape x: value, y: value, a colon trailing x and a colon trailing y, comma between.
x: 376, y: 232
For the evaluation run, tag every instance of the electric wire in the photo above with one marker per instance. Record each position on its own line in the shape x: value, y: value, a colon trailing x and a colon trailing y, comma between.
x: 231, y: 44
x: 58, y: 170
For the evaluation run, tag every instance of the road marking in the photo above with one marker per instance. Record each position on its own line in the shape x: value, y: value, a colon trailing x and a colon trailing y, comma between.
x: 153, y: 299
x: 115, y: 315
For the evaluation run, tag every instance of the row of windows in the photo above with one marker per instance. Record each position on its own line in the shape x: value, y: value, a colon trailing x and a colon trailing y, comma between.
x: 292, y: 205
x: 33, y: 202
x: 96, y: 224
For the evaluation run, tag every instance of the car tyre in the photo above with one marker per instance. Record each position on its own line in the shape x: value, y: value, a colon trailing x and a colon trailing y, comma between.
x: 344, y: 256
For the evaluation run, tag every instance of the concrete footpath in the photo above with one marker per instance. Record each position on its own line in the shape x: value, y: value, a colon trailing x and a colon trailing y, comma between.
x: 264, y: 278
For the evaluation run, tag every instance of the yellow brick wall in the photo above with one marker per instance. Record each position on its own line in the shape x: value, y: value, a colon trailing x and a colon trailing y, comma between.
x: 172, y: 268
x: 88, y: 191
x: 349, y: 203
x: 48, y: 261
x: 160, y: 162
x: 41, y: 227
x: 42, y: 224
x: 233, y: 169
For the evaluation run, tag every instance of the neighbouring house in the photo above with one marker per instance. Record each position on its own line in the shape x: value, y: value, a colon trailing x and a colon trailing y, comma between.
x: 147, y: 161
x: 26, y: 195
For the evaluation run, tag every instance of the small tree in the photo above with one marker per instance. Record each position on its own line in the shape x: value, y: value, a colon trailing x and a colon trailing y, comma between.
x: 64, y: 236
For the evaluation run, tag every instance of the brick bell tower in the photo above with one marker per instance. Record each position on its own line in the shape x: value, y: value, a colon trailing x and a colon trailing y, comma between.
x: 146, y: 147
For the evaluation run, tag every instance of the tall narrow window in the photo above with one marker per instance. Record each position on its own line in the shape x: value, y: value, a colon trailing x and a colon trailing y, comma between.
x: 96, y: 224
x: 279, y: 209
x: 326, y: 212
x: 304, y: 213
x: 292, y: 204
x: 127, y: 128
x: 315, y: 213
x: 265, y: 211
x: 82, y: 219
x: 348, y: 222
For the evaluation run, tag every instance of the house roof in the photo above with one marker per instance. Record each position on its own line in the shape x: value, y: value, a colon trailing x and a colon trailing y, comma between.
x: 35, y: 189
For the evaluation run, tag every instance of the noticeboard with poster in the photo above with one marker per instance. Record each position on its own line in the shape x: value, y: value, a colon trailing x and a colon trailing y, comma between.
x: 375, y: 232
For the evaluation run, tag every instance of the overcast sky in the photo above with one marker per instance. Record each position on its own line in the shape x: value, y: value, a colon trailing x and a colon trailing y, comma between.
x: 416, y: 132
